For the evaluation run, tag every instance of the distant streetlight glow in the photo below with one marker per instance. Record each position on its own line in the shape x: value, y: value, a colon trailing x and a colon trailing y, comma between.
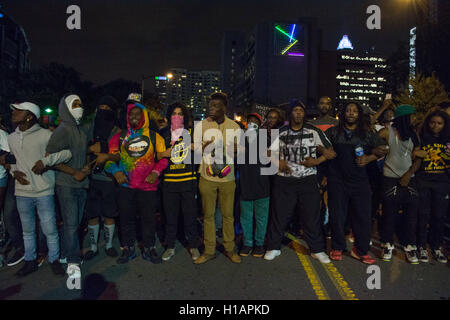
x: 169, y: 76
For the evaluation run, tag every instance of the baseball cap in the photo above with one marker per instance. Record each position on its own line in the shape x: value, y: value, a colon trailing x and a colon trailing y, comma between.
x: 34, y: 109
x: 256, y: 115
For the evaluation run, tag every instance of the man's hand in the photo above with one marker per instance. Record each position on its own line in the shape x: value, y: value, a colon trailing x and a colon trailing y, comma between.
x: 95, y: 148
x: 20, y: 177
x: 309, y: 162
x: 330, y: 154
x: 120, y: 177
x: 101, y: 158
x: 151, y: 178
x: 165, y: 154
x: 80, y: 175
x: 283, y: 167
x: 381, y: 151
x: 362, y: 161
x: 405, y: 179
x: 3, y: 160
x: 38, y: 167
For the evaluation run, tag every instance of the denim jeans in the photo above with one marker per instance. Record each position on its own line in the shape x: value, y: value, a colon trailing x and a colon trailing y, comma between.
x: 46, y: 211
x: 11, y: 216
x: 71, y: 202
x: 260, y: 210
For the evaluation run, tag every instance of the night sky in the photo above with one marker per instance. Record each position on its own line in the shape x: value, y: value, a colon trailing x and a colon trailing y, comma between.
x: 128, y: 38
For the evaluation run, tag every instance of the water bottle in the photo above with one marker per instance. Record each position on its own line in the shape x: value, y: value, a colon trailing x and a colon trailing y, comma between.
x: 359, y: 151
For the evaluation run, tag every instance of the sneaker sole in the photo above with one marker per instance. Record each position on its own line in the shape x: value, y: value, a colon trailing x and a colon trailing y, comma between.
x: 359, y: 259
x: 15, y: 262
x: 320, y: 260
x: 244, y: 254
x: 257, y: 255
x: 272, y: 258
x: 167, y: 258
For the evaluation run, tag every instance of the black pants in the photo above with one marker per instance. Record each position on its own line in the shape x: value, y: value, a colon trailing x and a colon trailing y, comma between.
x: 186, y: 202
x: 287, y: 193
x: 433, y: 206
x: 395, y: 198
x: 343, y: 196
x: 142, y: 203
x: 11, y: 215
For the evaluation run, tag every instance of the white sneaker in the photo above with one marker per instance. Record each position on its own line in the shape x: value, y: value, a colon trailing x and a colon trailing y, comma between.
x: 272, y: 254
x: 73, y: 270
x: 387, y: 251
x: 411, y: 254
x: 321, y: 256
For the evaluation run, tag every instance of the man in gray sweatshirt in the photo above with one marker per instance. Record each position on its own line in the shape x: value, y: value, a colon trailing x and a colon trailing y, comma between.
x: 71, y: 178
x: 34, y: 187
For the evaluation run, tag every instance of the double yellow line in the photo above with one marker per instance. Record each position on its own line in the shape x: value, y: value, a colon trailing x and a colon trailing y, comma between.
x: 336, y: 278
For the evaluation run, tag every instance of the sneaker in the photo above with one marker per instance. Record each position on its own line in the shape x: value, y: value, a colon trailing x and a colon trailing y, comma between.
x: 151, y: 255
x: 17, y: 257
x: 272, y: 254
x: 245, y: 251
x: 234, y: 257
x: 439, y: 256
x: 169, y: 253
x: 411, y: 254
x: 63, y: 260
x: 73, y: 271
x: 111, y: 252
x: 195, y: 254
x: 423, y: 254
x: 40, y: 259
x: 90, y: 254
x: 29, y: 267
x: 386, y: 253
x: 204, y: 258
x: 128, y: 254
x: 367, y: 259
x: 336, y: 255
x: 258, y: 251
x: 322, y: 257
x: 57, y: 268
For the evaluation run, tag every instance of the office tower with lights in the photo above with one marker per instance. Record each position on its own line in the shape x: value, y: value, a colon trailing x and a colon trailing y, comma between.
x: 278, y: 61
x: 192, y: 88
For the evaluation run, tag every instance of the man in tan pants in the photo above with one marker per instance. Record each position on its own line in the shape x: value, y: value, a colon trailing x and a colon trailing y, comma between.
x: 213, y: 187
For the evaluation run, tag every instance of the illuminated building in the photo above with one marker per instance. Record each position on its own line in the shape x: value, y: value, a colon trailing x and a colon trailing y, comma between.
x: 350, y: 75
x: 276, y: 62
x: 189, y: 87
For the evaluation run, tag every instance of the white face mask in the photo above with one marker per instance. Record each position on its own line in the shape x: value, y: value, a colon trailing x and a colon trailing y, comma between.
x: 252, y: 126
x: 77, y: 114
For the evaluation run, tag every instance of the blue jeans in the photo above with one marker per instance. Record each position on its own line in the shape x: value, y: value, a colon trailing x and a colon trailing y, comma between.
x: 71, y: 202
x: 46, y: 211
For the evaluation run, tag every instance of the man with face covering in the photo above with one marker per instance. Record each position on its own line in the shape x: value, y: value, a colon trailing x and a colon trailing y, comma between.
x: 71, y: 178
x: 102, y: 192
x: 137, y: 171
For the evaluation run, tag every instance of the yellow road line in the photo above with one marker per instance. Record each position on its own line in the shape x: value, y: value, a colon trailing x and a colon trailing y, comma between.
x: 341, y: 285
x: 311, y: 273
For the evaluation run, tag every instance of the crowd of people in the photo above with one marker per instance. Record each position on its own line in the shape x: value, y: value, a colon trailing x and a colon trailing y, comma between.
x: 335, y: 177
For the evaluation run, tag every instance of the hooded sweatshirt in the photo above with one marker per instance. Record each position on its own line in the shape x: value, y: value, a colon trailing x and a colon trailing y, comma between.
x: 137, y: 156
x: 29, y: 147
x: 69, y: 135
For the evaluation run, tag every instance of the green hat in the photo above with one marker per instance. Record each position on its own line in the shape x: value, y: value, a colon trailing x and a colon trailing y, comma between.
x: 404, y: 110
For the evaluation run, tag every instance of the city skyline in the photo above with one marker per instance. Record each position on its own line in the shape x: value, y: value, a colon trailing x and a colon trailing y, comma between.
x: 136, y: 38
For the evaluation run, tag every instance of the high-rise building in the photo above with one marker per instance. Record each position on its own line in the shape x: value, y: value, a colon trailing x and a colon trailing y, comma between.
x: 189, y: 87
x: 277, y: 62
x: 14, y: 50
x: 351, y: 75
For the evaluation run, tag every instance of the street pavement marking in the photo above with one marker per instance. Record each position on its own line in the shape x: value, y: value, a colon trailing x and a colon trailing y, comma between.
x: 317, y: 285
x: 341, y: 285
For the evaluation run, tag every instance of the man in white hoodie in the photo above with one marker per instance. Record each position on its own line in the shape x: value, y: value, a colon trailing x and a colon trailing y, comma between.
x: 35, y: 184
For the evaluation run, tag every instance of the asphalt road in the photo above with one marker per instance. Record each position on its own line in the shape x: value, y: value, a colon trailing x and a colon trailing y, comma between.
x: 292, y: 276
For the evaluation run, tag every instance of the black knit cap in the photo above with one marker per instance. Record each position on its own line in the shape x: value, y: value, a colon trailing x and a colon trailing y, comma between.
x: 296, y: 103
x: 110, y: 101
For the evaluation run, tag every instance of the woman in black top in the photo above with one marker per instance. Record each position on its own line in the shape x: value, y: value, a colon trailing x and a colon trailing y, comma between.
x: 434, y: 184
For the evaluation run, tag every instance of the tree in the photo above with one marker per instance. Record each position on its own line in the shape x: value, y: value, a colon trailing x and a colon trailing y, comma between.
x: 427, y: 92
